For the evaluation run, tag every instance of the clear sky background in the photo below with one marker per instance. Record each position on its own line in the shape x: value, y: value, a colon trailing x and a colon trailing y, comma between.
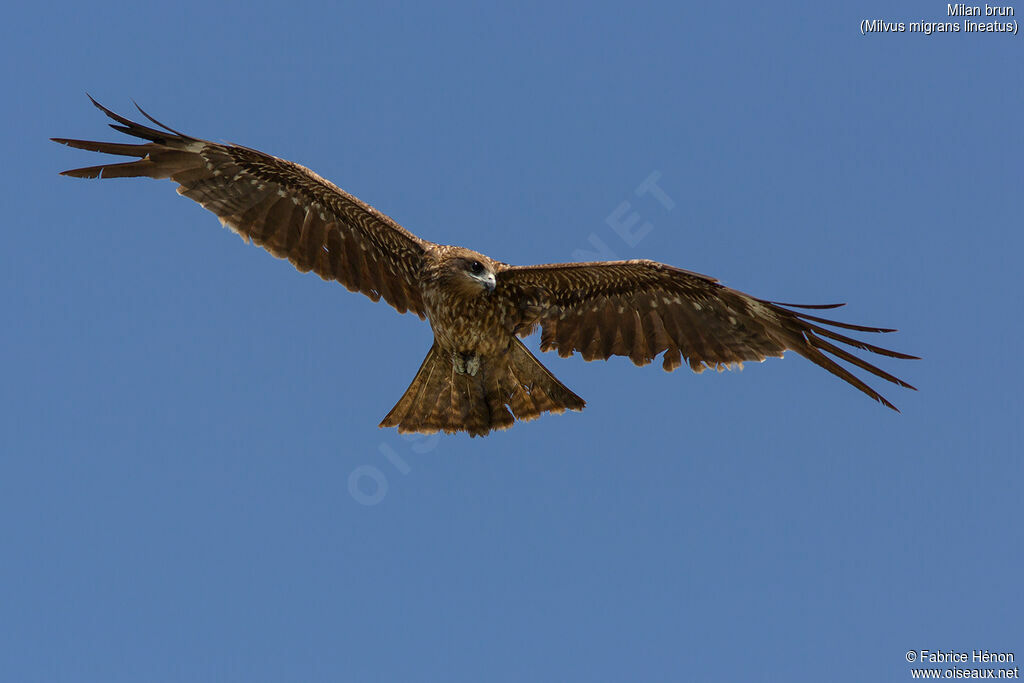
x: 192, y: 482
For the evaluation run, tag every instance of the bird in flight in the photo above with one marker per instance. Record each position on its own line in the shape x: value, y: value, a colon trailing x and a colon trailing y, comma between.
x: 478, y: 376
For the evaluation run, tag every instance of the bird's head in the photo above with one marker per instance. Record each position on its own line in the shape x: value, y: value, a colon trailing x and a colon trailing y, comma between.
x: 467, y: 272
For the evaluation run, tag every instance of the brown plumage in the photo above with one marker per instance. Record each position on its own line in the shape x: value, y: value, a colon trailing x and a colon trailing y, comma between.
x: 478, y: 376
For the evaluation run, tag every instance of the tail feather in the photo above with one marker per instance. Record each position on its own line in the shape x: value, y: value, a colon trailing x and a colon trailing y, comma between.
x: 428, y: 381
x: 440, y: 399
x: 535, y: 390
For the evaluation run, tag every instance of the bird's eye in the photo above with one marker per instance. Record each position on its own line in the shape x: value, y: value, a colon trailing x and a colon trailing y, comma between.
x: 476, y: 267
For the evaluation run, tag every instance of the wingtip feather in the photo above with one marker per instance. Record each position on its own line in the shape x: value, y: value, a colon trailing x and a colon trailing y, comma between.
x: 162, y: 125
x: 812, y: 306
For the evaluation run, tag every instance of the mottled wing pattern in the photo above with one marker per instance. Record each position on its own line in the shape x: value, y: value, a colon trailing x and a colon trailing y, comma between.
x: 642, y: 308
x: 281, y: 206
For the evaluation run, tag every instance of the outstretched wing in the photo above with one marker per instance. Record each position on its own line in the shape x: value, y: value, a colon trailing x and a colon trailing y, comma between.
x: 283, y: 207
x: 642, y: 308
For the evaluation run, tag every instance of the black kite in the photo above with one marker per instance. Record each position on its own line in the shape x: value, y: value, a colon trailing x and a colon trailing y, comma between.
x: 478, y: 376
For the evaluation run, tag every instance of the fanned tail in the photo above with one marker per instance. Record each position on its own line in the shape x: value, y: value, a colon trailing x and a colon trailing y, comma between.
x: 505, y: 388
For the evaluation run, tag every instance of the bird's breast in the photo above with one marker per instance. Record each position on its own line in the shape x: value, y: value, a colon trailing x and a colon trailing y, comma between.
x: 476, y: 325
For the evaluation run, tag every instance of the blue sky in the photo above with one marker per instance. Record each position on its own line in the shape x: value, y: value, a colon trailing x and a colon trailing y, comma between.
x: 185, y: 419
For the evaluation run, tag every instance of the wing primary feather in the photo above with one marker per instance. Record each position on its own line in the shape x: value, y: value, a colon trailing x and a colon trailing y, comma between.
x: 864, y: 346
x: 859, y: 362
x: 136, y: 129
x: 117, y: 148
x: 818, y: 358
x: 818, y: 306
x: 162, y: 125
x: 128, y: 169
x: 846, y: 326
